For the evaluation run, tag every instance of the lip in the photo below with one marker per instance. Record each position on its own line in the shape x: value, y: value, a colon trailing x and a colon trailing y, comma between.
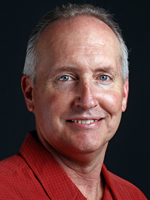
x: 85, y: 118
x: 97, y: 122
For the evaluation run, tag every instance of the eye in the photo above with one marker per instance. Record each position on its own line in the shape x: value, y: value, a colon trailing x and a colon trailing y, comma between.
x: 65, y: 78
x: 104, y: 78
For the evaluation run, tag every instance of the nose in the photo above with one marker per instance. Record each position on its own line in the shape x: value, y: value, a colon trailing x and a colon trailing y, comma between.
x: 86, y: 97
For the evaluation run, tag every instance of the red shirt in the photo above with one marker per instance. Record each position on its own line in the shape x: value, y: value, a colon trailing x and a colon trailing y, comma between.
x: 34, y: 174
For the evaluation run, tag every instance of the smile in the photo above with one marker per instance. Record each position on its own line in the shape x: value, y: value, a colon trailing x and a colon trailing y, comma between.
x: 89, y: 121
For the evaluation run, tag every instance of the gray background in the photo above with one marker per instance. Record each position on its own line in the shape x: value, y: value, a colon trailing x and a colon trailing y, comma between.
x: 128, y: 152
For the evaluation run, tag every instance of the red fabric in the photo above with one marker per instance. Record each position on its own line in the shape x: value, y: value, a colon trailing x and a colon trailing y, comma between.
x: 117, y: 188
x: 34, y: 174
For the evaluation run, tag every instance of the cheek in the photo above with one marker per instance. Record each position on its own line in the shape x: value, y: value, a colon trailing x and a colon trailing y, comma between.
x: 111, y: 102
x: 55, y: 103
x: 112, y: 107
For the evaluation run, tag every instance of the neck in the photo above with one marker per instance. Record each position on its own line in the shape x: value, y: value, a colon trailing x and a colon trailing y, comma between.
x: 85, y: 172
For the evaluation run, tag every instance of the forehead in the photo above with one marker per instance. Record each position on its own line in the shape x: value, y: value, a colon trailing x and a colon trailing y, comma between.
x: 82, y: 35
x: 85, y: 27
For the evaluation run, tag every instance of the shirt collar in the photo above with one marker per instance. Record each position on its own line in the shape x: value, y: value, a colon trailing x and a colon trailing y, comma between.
x: 51, y: 176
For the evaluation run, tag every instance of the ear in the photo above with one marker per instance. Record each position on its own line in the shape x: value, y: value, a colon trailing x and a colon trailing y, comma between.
x: 27, y: 88
x: 125, y: 94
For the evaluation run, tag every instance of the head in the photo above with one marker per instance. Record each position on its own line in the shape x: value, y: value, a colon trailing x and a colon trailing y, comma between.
x: 77, y: 93
x: 69, y: 12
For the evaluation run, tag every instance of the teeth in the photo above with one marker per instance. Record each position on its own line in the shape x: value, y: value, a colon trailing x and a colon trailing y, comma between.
x: 89, y: 121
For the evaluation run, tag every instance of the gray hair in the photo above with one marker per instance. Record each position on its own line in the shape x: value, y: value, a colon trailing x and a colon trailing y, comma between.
x: 67, y: 12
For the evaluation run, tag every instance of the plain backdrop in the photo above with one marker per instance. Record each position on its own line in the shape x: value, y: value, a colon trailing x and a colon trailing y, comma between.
x: 128, y: 153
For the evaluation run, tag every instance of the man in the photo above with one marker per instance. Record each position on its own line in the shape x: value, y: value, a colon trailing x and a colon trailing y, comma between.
x: 76, y: 82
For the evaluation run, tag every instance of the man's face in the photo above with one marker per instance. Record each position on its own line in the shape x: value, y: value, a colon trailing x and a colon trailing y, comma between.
x: 79, y: 94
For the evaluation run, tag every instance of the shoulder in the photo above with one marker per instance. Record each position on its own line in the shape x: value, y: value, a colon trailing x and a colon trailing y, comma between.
x: 122, y: 187
x: 122, y: 182
x: 11, y: 165
x: 18, y: 181
x: 10, y: 169
x: 13, y: 173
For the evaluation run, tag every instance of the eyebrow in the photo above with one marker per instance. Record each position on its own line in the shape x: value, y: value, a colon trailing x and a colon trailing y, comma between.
x: 104, y: 69
x: 75, y: 69
x: 64, y: 68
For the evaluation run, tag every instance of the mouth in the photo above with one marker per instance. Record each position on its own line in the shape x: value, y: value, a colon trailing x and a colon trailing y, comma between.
x: 89, y: 121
